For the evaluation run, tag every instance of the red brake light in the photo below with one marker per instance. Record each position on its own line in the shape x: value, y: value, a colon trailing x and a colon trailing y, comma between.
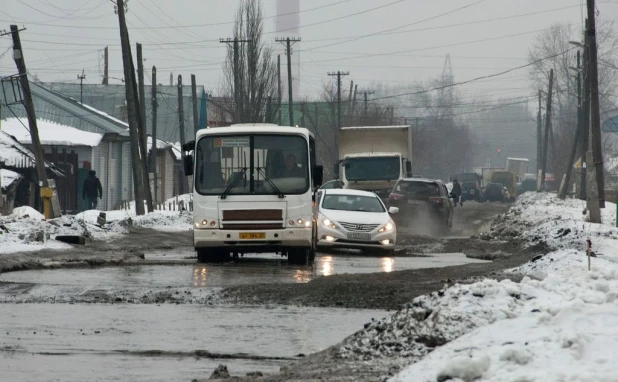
x: 396, y: 196
x: 436, y: 199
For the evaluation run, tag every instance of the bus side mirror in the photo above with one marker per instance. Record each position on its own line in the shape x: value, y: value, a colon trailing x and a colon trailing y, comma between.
x: 336, y: 170
x: 317, y: 175
x: 408, y: 168
x: 188, y: 165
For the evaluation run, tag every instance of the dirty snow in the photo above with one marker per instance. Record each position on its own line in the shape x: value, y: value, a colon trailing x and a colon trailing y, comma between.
x: 26, y: 229
x: 51, y: 133
x: 559, y: 323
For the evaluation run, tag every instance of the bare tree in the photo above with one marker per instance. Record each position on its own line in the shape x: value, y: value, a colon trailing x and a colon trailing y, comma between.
x: 256, y: 72
x: 554, y: 43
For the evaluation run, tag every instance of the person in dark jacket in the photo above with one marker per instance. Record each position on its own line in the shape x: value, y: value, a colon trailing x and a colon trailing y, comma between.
x: 92, y: 189
x: 457, y: 193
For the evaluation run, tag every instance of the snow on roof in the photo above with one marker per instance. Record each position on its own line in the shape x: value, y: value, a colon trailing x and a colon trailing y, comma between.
x: 519, y: 159
x: 161, y: 144
x: 97, y: 111
x: 7, y: 177
x: 13, y: 153
x: 51, y: 133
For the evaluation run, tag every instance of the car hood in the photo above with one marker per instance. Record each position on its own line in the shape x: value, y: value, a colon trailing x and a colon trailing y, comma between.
x: 356, y: 216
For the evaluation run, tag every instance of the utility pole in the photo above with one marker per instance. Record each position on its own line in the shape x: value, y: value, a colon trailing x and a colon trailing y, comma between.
x: 365, y: 93
x: 143, y: 137
x: 153, y: 150
x: 288, y: 44
x: 585, y: 116
x: 132, y: 109
x: 539, y: 139
x: 106, y: 66
x: 194, y: 101
x: 349, y: 108
x: 597, y: 153
x: 354, y: 98
x: 237, y: 88
x: 172, y: 79
x: 564, y: 186
x: 181, y: 127
x: 338, y: 74
x: 81, y: 86
x: 547, y: 128
x: 279, y: 86
x: 18, y: 56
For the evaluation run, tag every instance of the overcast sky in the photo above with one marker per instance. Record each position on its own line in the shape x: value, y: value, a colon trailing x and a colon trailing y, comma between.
x: 65, y: 36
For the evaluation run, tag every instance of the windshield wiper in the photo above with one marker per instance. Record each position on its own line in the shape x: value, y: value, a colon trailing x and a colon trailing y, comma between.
x: 233, y: 183
x: 270, y: 183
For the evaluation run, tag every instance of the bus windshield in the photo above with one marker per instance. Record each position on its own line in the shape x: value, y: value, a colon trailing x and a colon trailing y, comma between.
x: 372, y: 168
x: 247, y: 164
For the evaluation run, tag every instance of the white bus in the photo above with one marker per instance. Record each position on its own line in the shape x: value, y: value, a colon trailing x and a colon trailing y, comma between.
x: 253, y: 191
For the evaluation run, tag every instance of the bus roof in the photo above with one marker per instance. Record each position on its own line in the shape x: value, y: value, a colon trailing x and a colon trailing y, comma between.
x: 247, y: 128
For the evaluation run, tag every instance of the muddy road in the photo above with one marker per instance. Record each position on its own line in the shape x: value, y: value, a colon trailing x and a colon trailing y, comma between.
x: 142, y: 308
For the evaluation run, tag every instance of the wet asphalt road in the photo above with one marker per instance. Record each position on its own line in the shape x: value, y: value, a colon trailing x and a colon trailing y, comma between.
x: 162, y: 321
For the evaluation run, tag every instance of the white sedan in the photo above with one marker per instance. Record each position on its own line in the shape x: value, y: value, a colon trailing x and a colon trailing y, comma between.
x: 355, y: 219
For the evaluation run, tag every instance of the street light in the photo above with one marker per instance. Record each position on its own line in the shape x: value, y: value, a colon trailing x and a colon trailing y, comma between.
x: 576, y: 43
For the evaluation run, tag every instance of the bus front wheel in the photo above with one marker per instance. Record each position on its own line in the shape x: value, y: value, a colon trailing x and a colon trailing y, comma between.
x: 212, y: 255
x: 301, y: 256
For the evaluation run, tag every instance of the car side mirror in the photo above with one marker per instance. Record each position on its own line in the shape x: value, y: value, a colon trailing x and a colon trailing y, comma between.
x: 188, y: 165
x: 409, y: 168
x: 336, y: 170
x: 393, y: 210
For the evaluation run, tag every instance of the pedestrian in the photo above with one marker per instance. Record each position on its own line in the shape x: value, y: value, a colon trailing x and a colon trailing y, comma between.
x: 92, y: 188
x: 457, y: 193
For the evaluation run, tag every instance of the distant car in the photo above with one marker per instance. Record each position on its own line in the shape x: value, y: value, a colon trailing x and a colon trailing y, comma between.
x: 355, y: 219
x: 470, y: 186
x: 494, y: 192
x: 336, y: 183
x: 425, y: 199
x: 526, y: 185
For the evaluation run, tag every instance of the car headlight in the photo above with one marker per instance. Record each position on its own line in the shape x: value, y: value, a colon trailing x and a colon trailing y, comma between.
x: 387, y: 227
x: 327, y: 223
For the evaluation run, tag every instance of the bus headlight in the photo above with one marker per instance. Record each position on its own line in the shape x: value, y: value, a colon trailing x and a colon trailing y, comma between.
x: 301, y: 222
x: 205, y: 224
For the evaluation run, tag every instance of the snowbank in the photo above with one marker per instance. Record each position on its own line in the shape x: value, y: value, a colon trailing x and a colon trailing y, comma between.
x: 27, y: 230
x: 558, y: 324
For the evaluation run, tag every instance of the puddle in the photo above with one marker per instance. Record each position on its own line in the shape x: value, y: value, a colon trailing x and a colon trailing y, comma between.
x: 150, y: 342
x: 245, y: 272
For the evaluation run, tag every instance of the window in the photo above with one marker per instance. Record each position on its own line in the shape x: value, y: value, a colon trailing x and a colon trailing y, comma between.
x: 252, y: 164
x: 372, y: 168
x: 418, y: 188
x: 352, y: 203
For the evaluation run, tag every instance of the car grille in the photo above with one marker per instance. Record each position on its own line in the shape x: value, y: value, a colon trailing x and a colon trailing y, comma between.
x: 357, y: 227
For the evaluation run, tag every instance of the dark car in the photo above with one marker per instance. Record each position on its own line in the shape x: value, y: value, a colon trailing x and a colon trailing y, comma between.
x: 494, y: 192
x: 422, y: 201
x: 526, y: 185
x: 470, y: 186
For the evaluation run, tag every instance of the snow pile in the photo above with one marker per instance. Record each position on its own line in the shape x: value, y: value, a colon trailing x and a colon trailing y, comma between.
x: 27, y: 230
x: 434, y: 320
x: 558, y: 324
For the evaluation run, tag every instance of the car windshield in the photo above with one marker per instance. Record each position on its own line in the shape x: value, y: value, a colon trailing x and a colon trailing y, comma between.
x: 372, y: 168
x: 341, y: 202
x: 418, y: 188
x: 252, y: 164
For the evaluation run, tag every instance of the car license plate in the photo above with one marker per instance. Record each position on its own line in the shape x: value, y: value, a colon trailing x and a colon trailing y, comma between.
x: 416, y: 202
x: 252, y: 235
x: 359, y: 235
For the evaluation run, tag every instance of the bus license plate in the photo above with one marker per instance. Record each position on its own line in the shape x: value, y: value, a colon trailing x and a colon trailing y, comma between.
x: 359, y: 235
x: 252, y: 235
